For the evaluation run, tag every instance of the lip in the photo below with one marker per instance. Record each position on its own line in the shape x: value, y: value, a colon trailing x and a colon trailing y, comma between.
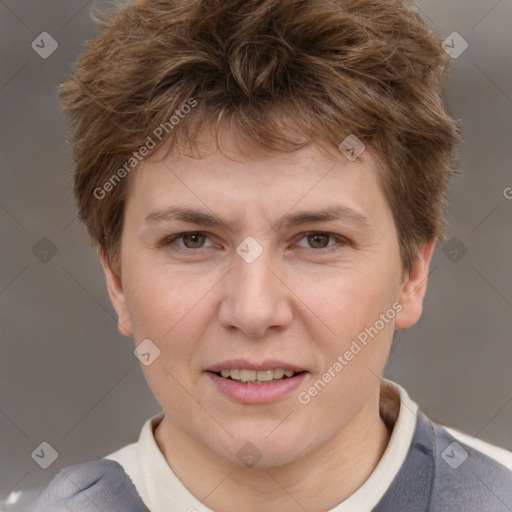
x: 257, y: 393
x: 269, y: 364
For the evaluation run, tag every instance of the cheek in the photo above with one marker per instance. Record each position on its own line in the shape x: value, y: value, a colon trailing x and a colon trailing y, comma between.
x: 356, y: 345
x: 161, y: 299
x: 166, y: 308
x: 347, y: 302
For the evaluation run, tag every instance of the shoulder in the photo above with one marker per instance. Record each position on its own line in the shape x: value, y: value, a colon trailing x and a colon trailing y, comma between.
x: 470, y: 474
x: 99, y: 484
x: 494, y: 452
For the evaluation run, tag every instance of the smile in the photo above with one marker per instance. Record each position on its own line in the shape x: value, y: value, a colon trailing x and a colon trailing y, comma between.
x: 256, y: 376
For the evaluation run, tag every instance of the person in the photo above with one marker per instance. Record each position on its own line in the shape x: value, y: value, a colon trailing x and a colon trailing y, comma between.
x: 265, y: 181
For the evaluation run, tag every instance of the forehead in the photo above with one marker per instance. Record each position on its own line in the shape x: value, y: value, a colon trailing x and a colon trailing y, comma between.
x: 264, y: 183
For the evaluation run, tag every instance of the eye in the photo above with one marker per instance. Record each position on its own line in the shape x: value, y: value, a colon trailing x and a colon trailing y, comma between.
x: 191, y: 240
x: 320, y: 240
x: 196, y: 240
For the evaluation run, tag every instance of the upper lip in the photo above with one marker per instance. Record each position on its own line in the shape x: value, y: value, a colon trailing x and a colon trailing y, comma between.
x: 268, y: 364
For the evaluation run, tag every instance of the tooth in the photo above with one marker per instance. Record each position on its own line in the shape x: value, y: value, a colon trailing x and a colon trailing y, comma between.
x: 247, y: 375
x: 265, y: 375
x: 278, y: 373
x: 256, y: 377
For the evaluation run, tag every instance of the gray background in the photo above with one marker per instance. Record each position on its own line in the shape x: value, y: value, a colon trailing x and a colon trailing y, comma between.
x: 70, y: 379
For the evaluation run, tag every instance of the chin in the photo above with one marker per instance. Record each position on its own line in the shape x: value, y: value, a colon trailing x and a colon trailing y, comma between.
x: 258, y: 449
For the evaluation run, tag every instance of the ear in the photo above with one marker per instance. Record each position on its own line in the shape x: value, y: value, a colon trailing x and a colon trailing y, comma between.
x: 414, y: 287
x: 117, y: 296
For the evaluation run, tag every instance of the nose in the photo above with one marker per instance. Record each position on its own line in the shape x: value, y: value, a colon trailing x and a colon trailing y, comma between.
x: 255, y: 298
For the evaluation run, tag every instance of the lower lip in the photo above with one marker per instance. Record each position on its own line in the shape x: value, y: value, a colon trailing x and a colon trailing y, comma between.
x: 257, y: 393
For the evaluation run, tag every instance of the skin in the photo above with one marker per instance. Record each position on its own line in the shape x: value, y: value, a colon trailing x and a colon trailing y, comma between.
x: 302, y: 301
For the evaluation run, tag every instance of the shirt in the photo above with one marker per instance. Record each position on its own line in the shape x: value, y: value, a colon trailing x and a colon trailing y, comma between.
x: 425, y: 468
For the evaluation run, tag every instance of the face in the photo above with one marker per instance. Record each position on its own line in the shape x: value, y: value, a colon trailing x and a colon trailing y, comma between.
x: 238, y: 270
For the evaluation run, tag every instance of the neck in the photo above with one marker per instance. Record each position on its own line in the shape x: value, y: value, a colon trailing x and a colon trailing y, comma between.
x: 337, y: 469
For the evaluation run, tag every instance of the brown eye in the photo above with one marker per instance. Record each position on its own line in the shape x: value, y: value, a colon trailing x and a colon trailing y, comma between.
x: 318, y: 240
x: 190, y: 242
x: 322, y: 242
x: 193, y: 240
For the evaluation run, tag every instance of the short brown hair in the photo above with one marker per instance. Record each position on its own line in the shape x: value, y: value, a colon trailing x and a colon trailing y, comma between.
x: 325, y: 69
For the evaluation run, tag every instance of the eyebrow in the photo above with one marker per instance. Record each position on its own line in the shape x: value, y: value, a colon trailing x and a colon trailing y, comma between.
x: 198, y: 217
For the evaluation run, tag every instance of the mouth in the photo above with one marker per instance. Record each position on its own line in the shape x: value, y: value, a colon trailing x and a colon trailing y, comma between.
x: 256, y: 383
x: 256, y: 377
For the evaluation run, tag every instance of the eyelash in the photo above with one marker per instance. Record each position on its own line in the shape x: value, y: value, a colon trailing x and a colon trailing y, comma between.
x: 167, y: 242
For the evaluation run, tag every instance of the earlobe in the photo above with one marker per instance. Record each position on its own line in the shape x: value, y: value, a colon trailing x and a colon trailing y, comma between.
x: 117, y: 296
x: 414, y: 287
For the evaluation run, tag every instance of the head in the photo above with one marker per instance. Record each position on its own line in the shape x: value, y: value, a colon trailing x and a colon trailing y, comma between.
x: 256, y: 114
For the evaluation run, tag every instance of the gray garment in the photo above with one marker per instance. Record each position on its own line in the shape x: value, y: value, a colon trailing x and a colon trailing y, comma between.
x: 439, y: 474
x: 100, y: 485
x: 442, y: 474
